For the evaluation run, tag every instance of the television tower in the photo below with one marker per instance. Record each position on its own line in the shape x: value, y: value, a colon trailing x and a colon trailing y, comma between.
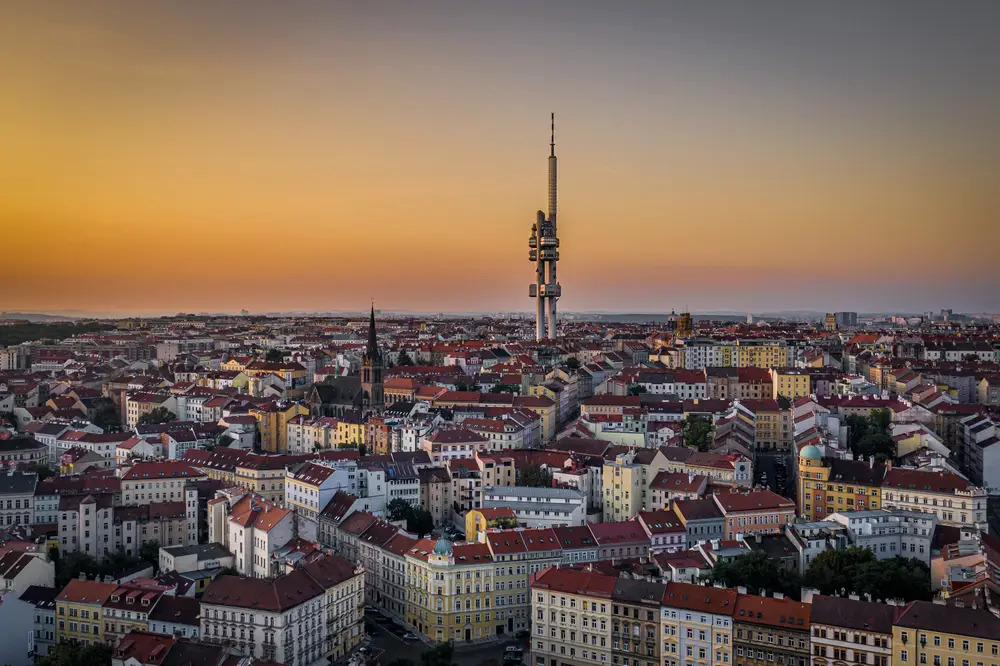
x: 544, y: 251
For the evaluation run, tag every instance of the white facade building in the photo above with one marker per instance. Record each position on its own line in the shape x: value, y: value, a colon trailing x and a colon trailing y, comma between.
x: 890, y: 533
x: 539, y: 507
x: 314, y: 614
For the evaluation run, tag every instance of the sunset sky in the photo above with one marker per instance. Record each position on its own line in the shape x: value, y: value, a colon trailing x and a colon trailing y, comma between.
x: 190, y: 156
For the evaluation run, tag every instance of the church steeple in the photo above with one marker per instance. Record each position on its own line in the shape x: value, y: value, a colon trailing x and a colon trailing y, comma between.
x: 371, y: 370
x: 371, y: 351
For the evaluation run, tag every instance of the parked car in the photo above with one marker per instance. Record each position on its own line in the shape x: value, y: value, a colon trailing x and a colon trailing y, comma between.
x: 522, y: 633
x: 512, y: 658
x: 514, y: 649
x: 410, y: 636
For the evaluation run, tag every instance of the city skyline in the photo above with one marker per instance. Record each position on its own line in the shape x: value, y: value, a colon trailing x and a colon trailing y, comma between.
x: 183, y: 157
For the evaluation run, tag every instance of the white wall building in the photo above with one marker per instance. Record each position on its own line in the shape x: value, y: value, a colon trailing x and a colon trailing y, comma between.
x: 539, y: 507
x: 310, y: 615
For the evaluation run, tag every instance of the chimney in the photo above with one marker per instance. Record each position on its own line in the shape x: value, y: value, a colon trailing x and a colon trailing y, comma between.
x: 82, y: 576
x: 779, y: 595
x: 741, y: 589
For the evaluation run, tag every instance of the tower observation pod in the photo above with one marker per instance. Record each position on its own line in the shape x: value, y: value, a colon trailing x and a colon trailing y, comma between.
x: 544, y: 253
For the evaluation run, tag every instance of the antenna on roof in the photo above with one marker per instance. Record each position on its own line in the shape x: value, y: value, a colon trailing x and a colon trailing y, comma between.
x: 552, y: 144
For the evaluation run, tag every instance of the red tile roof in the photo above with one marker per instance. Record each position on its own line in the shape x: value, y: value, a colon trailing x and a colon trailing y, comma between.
x: 572, y: 581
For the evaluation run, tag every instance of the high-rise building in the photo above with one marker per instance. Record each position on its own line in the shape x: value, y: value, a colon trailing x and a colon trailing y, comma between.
x: 544, y: 252
x: 846, y: 319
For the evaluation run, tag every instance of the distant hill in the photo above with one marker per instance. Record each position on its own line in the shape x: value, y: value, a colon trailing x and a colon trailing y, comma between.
x: 35, y: 316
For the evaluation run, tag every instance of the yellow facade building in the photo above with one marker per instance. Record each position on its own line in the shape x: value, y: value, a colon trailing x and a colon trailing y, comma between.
x: 272, y: 423
x: 547, y: 410
x: 351, y: 430
x: 835, y: 485
x: 760, y: 354
x: 449, y: 590
x: 79, y: 611
x: 790, y: 383
x: 478, y: 521
x: 938, y: 635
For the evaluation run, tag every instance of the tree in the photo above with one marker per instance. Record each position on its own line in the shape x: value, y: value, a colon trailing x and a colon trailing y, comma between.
x: 439, y: 655
x: 534, y: 477
x: 505, y: 523
x: 68, y: 654
x: 401, y: 662
x: 107, y: 418
x: 572, y: 363
x: 461, y: 386
x: 158, y: 415
x: 229, y: 571
x: 72, y: 565
x: 869, y: 435
x: 404, y: 358
x: 881, y: 447
x: 756, y: 571
x: 398, y: 509
x: 880, y: 420
x: 419, y: 522
x: 698, y: 433
x: 857, y: 427
x: 149, y: 551
x: 505, y: 388
x: 43, y: 471
x: 274, y: 356
x: 362, y: 450
x: 858, y: 571
x: 636, y: 389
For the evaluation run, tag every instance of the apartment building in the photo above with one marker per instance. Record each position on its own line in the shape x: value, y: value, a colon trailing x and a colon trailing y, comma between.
x: 157, y: 481
x: 951, y: 498
x: 635, y: 622
x: 697, y: 625
x: 313, y: 613
x: 390, y: 586
x: 571, y: 618
x: 79, y: 611
x: 449, y: 590
x: 890, y: 532
x: 451, y: 443
x: 832, y: 485
x: 17, y: 497
x: 309, y: 487
x: 518, y: 553
x: 770, y: 631
x: 539, y: 507
x: 945, y: 635
x: 251, y: 528
x: 128, y: 608
x: 851, y: 631
x: 757, y: 511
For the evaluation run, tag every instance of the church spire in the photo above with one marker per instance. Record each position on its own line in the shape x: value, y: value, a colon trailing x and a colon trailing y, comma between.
x: 372, y: 350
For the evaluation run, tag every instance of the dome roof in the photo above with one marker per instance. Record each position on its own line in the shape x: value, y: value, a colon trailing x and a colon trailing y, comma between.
x: 810, y: 452
x: 443, y: 546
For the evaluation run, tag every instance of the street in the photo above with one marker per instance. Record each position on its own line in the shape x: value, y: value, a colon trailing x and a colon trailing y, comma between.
x: 766, y: 472
x: 388, y: 647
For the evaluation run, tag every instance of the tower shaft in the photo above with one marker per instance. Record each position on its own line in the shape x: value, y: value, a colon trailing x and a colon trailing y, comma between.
x: 544, y: 244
